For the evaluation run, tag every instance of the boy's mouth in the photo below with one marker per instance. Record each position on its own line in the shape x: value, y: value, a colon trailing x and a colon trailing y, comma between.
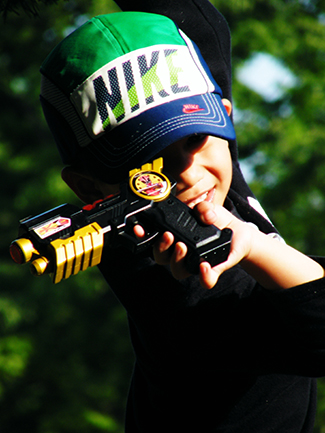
x: 206, y: 196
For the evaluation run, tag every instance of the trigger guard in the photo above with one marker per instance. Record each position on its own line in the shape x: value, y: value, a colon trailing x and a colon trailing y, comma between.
x: 145, y: 242
x: 136, y: 245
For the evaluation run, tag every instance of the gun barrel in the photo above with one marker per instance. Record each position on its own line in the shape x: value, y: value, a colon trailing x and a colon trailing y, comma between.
x: 65, y: 240
x: 22, y: 250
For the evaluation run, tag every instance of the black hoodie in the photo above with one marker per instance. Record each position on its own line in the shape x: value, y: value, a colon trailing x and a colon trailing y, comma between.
x: 236, y: 358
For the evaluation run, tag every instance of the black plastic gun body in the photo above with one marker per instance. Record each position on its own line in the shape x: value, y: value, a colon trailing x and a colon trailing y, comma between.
x: 67, y: 239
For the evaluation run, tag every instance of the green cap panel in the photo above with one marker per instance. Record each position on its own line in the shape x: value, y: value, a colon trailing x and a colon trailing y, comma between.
x: 103, y: 39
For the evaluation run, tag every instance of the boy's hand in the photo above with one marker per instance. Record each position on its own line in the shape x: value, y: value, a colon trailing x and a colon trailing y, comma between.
x: 209, y: 214
x: 273, y: 264
x: 242, y: 240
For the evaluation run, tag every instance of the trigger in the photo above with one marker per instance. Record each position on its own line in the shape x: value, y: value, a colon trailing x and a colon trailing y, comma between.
x: 146, y: 241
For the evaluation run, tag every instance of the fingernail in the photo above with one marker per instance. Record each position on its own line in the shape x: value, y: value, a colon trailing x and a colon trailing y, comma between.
x: 178, y: 250
x: 209, y: 216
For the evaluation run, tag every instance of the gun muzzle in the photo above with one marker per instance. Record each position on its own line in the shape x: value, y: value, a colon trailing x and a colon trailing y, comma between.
x: 22, y: 250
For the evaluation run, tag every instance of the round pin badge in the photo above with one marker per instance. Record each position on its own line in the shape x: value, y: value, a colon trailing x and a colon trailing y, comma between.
x: 150, y: 185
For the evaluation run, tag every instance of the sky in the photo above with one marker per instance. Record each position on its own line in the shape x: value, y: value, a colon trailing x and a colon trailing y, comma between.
x: 266, y: 75
x: 270, y: 78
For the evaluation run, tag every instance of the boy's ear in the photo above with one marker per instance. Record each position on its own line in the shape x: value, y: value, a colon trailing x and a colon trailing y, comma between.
x: 228, y: 106
x: 82, y: 184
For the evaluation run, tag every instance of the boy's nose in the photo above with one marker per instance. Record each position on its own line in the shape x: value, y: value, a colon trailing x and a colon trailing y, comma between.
x: 181, y: 160
x: 190, y: 175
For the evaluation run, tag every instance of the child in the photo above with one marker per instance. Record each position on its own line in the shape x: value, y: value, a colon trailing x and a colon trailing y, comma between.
x: 121, y: 90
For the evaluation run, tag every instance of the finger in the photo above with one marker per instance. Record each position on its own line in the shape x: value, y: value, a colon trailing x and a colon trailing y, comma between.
x: 210, y: 213
x: 208, y: 277
x: 161, y: 249
x: 139, y: 231
x: 177, y: 262
x: 206, y: 212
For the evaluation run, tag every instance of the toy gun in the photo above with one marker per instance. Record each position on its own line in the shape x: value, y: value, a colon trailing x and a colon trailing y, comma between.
x: 65, y: 240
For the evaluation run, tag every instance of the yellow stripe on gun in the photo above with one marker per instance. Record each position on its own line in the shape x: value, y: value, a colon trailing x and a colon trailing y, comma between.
x: 80, y: 251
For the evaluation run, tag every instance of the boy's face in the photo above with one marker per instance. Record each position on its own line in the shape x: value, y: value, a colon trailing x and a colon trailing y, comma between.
x: 202, y: 168
x: 200, y: 164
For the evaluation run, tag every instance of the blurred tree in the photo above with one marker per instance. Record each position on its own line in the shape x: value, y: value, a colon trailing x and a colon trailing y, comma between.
x: 31, y: 7
x: 280, y: 135
x: 65, y: 358
x: 280, y: 127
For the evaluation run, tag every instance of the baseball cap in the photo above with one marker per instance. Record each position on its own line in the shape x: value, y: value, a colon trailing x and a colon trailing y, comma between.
x: 124, y: 86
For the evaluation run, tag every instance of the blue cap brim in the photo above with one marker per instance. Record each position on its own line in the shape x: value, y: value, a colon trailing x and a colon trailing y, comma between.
x: 140, y: 139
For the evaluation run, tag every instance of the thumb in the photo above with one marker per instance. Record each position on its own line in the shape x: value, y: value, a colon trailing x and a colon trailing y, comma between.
x: 209, y: 276
x: 210, y: 213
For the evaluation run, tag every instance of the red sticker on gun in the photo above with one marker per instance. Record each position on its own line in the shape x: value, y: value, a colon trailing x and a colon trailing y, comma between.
x: 51, y: 227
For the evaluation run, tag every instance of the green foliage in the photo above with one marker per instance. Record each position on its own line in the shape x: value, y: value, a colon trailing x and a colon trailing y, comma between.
x: 29, y: 6
x: 282, y: 140
x: 65, y: 357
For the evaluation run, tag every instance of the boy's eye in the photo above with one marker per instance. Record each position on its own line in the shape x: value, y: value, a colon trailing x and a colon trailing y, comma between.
x: 195, y: 140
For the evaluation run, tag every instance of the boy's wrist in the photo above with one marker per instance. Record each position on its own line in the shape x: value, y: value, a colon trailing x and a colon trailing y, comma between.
x: 276, y: 265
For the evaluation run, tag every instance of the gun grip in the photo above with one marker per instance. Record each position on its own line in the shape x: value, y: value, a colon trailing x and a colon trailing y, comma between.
x: 204, y: 243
